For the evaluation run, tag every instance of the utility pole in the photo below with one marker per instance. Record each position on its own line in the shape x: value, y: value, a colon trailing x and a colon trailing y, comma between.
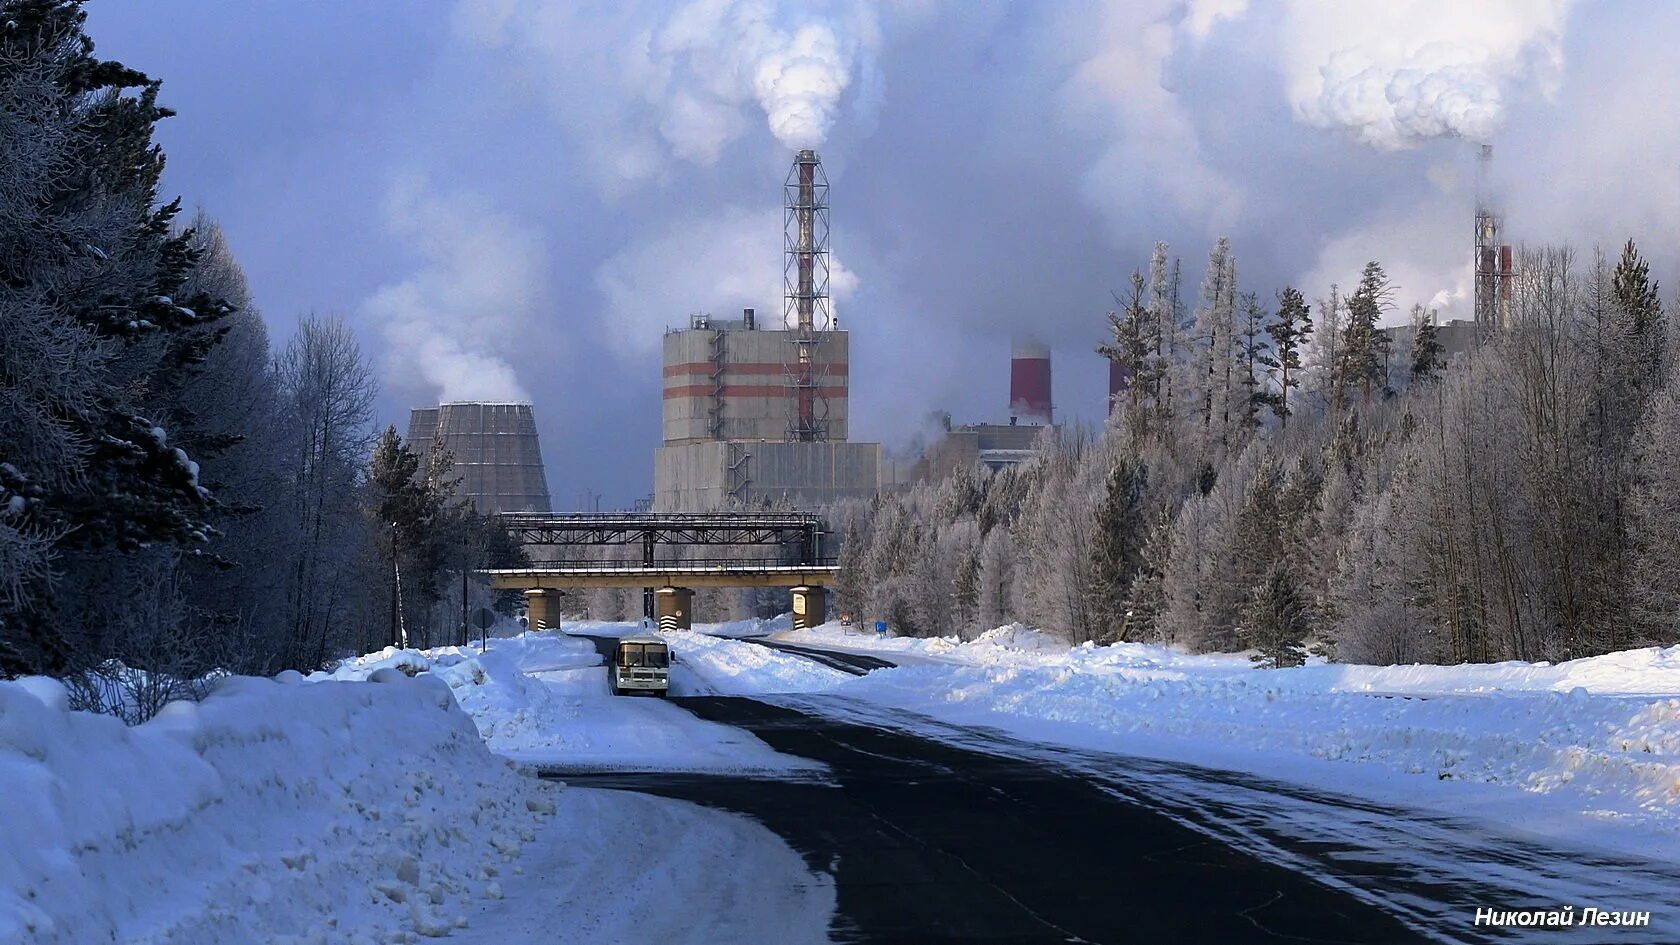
x: 391, y: 637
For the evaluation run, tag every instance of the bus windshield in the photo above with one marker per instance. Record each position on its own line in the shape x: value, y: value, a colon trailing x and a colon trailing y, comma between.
x: 643, y: 654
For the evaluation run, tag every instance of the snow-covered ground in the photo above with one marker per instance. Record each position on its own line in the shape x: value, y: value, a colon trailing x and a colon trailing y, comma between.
x: 629, y: 868
x: 542, y: 698
x: 271, y: 811
x: 1587, y: 751
x: 366, y: 806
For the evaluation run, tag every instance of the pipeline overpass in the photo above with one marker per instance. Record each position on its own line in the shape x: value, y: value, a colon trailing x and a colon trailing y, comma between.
x: 668, y: 555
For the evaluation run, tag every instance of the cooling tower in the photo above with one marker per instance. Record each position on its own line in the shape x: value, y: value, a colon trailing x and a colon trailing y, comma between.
x: 1029, y: 384
x: 497, y: 458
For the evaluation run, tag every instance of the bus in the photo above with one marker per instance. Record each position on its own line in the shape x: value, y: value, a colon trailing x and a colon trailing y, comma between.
x: 641, y: 662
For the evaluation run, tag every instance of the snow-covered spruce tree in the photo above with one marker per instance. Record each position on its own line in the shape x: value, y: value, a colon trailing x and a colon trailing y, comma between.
x: 1426, y: 345
x: 1364, y: 349
x: 1215, y: 382
x: 1277, y: 620
x: 1289, y: 331
x: 995, y: 595
x: 414, y: 503
x: 1254, y: 353
x: 1055, y: 534
x: 1131, y: 349
x: 94, y: 326
x: 1321, y: 374
x: 1147, y: 596
x: 1639, y: 318
x: 1117, y: 548
x: 1202, y: 590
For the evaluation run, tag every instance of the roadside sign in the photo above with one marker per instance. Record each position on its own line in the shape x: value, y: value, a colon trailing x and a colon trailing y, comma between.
x: 880, y: 628
x: 484, y: 618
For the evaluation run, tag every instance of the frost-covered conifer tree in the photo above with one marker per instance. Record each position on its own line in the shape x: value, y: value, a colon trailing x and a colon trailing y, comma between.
x: 93, y: 324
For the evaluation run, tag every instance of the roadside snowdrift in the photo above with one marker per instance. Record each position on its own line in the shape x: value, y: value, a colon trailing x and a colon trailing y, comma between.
x: 541, y: 698
x: 271, y: 811
x: 735, y: 668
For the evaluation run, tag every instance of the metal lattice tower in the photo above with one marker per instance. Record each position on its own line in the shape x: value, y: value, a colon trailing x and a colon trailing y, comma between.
x: 807, y: 311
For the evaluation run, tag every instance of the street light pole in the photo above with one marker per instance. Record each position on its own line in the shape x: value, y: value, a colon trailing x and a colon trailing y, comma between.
x: 392, y: 636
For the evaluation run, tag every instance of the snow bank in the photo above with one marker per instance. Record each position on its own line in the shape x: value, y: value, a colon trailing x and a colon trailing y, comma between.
x: 498, y: 688
x: 541, y: 698
x: 990, y: 646
x: 271, y: 811
x: 708, y: 877
x: 751, y: 627
x: 735, y: 668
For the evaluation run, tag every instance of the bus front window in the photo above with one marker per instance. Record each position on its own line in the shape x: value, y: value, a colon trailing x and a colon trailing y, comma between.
x: 658, y: 656
x: 630, y: 654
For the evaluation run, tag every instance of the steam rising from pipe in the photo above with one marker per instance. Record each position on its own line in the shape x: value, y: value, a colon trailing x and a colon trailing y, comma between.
x: 450, y: 321
x: 1396, y: 73
x: 685, y: 79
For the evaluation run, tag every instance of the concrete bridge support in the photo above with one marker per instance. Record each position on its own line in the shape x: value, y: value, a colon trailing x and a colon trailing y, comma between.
x: 542, y: 609
x: 673, y: 607
x: 810, y: 606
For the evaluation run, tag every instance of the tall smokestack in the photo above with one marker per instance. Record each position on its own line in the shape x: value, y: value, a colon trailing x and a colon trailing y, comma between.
x: 805, y: 240
x: 807, y: 310
x: 1029, y: 384
x: 1494, y: 266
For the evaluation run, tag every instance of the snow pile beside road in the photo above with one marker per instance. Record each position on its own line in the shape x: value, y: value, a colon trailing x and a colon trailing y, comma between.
x: 541, y: 698
x: 735, y: 668
x: 271, y: 811
x: 751, y: 627
x: 499, y: 688
x: 999, y: 644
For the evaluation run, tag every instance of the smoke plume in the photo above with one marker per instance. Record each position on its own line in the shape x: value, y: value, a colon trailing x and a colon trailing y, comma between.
x: 683, y: 80
x: 1395, y: 73
x: 448, y: 321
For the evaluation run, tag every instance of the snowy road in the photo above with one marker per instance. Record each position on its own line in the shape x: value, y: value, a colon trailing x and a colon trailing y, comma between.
x: 973, y: 837
x: 803, y: 787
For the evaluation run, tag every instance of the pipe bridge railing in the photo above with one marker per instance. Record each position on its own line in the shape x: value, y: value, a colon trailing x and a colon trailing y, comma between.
x: 799, y: 535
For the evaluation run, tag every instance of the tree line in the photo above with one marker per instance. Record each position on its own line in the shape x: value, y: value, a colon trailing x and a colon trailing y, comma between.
x: 176, y: 498
x: 1277, y: 478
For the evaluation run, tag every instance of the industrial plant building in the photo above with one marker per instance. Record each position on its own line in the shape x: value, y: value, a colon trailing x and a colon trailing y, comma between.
x: 758, y: 415
x: 990, y: 447
x: 498, y: 460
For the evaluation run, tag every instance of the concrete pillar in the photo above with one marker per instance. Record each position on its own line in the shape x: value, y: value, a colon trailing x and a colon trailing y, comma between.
x: 810, y: 607
x: 674, y: 608
x: 542, y: 609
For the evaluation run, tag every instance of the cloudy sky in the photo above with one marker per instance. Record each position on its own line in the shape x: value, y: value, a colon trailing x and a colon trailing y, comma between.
x: 514, y: 198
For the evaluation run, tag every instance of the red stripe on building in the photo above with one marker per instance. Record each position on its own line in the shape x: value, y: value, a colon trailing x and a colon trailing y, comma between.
x: 746, y: 390
x: 705, y: 368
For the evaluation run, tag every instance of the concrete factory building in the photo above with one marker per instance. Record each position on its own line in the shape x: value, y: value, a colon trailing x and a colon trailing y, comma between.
x: 758, y: 415
x: 497, y: 457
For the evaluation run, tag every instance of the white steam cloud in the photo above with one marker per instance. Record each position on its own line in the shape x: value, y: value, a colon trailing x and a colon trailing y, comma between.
x: 717, y: 265
x: 1402, y: 71
x: 448, y: 322
x: 640, y: 81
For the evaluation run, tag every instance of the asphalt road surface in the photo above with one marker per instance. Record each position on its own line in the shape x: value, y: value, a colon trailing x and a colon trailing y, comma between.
x: 942, y: 835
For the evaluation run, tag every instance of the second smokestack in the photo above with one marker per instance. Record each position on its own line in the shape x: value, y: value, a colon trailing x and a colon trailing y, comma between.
x: 1029, y: 384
